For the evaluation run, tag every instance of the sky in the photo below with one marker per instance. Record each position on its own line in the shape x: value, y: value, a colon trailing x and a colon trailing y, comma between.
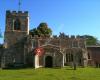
x: 73, y: 17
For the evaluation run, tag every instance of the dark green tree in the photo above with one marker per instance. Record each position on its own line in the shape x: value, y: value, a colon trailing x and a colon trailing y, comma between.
x: 91, y: 40
x: 1, y: 46
x: 41, y: 30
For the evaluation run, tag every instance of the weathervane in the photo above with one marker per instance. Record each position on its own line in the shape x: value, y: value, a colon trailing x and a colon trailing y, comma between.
x: 19, y: 4
x: 0, y: 34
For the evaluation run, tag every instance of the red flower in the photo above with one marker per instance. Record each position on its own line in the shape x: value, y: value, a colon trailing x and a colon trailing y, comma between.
x: 39, y: 51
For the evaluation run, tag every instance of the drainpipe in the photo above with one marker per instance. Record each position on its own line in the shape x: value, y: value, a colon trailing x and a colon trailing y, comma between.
x: 63, y: 60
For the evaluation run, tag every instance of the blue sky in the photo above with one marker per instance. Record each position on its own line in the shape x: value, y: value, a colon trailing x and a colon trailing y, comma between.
x: 73, y: 17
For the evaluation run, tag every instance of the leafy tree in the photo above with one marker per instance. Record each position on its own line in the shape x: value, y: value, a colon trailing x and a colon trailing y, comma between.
x: 41, y: 30
x: 1, y: 46
x: 91, y: 40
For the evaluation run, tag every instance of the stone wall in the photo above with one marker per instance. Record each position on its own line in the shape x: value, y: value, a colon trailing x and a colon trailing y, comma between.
x: 93, y: 55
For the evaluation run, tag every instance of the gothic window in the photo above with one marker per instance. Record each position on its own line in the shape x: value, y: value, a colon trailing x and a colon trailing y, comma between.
x: 75, y: 44
x: 69, y: 57
x: 89, y: 56
x: 17, y: 24
x: 34, y: 44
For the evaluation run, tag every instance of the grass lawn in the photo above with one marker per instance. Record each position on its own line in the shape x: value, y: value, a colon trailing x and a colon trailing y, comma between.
x: 51, y: 74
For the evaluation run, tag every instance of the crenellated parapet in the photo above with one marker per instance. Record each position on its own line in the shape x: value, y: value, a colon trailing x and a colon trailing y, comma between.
x: 17, y: 13
x: 63, y: 41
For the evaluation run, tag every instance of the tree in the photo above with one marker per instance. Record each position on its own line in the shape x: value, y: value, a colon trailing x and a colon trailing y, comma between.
x: 41, y: 30
x: 90, y: 40
x: 1, y: 46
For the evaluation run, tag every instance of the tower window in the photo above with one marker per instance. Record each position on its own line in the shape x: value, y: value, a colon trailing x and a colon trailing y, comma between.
x: 17, y: 24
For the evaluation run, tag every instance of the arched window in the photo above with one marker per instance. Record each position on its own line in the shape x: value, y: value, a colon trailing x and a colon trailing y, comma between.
x: 67, y: 57
x: 89, y: 56
x: 71, y: 57
x: 17, y: 24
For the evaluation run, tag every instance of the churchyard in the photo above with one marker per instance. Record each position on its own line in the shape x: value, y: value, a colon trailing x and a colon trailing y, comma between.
x: 66, y: 73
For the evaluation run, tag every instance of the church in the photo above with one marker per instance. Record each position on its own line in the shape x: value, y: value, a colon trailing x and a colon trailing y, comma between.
x: 37, y: 51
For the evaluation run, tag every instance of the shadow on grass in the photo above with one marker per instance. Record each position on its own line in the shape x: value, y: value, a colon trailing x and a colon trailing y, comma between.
x: 52, y: 67
x: 74, y: 78
x: 70, y: 69
x: 56, y: 67
x: 17, y: 68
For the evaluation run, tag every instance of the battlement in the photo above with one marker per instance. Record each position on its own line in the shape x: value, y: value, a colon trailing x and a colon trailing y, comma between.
x: 64, y: 36
x: 71, y: 37
x: 8, y: 12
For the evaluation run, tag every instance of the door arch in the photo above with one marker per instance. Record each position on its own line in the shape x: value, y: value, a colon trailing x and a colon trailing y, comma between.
x: 49, y: 61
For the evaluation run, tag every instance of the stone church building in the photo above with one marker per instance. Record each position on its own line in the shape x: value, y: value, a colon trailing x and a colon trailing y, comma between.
x: 56, y: 51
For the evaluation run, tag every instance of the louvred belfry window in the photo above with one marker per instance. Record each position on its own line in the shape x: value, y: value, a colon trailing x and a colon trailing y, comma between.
x: 39, y: 51
x: 17, y: 24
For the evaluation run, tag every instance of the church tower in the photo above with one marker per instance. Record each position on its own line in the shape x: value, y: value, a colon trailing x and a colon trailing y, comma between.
x: 17, y: 27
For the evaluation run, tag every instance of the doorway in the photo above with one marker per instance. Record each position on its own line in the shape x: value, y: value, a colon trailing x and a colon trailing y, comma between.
x: 49, y: 61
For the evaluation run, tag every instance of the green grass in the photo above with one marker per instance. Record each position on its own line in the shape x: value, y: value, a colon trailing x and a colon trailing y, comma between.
x: 51, y: 74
